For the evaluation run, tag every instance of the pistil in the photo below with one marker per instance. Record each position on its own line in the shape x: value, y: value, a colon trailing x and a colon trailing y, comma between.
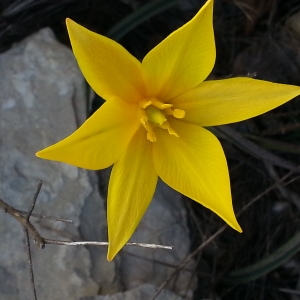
x: 155, y: 113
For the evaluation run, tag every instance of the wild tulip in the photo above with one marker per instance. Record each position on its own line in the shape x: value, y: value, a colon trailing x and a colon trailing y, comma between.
x: 152, y: 122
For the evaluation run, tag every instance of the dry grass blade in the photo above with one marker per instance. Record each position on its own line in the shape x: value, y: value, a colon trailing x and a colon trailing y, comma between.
x: 253, y: 149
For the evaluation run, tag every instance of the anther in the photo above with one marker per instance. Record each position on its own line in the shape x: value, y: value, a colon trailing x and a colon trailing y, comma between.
x: 145, y: 103
x: 150, y: 133
x: 160, y: 104
x: 151, y: 136
x: 167, y: 126
x: 176, y: 113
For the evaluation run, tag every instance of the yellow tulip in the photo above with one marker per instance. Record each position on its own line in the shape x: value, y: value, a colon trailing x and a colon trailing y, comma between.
x: 151, y: 124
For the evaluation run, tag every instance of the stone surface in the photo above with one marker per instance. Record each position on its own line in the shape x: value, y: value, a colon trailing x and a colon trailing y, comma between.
x: 41, y: 101
x: 164, y: 223
x: 143, y: 292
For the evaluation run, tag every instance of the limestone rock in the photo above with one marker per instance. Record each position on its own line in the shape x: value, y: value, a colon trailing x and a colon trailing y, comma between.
x: 42, y: 101
x: 143, y: 292
x: 164, y: 223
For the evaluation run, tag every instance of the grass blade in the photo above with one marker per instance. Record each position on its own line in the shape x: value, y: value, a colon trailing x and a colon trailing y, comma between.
x: 138, y: 17
x: 271, y: 262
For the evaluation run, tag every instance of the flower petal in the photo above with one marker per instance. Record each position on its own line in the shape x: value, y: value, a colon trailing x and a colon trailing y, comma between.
x: 108, y: 67
x: 184, y: 59
x: 194, y: 164
x: 130, y: 191
x: 218, y: 102
x: 101, y: 139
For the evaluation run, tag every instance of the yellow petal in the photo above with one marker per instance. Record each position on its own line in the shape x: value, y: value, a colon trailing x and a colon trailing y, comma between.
x: 184, y: 59
x: 131, y: 187
x: 194, y: 164
x: 218, y: 102
x: 107, y: 66
x: 100, y: 141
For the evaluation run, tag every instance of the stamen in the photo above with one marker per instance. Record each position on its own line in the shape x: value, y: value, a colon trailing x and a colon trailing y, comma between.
x: 167, y: 126
x: 160, y: 104
x: 151, y: 136
x: 147, y: 125
x: 150, y: 133
x: 145, y: 103
x: 154, y: 113
x: 176, y: 113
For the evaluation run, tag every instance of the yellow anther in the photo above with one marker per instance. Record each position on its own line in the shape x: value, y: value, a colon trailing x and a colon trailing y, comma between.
x: 160, y: 104
x: 154, y: 113
x: 149, y: 128
x: 167, y: 126
x: 178, y: 113
x: 151, y: 136
x: 145, y: 103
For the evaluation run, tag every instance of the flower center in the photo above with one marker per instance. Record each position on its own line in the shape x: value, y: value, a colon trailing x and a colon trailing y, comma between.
x: 155, y: 113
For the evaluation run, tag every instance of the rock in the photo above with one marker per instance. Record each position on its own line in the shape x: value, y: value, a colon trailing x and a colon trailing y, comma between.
x: 164, y: 223
x: 93, y: 227
x: 143, y: 292
x: 42, y: 101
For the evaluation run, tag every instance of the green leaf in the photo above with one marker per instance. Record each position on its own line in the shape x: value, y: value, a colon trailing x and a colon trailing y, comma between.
x: 267, y: 264
x: 139, y: 16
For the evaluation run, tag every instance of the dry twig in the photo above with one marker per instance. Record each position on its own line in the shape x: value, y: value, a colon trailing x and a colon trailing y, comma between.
x: 24, y: 219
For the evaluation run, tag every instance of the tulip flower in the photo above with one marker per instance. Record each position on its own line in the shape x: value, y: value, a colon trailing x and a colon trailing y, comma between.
x: 152, y: 122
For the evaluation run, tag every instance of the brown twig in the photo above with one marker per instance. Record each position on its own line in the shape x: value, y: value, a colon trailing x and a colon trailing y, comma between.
x: 45, y: 217
x: 27, y: 217
x: 30, y: 264
x: 24, y: 222
x: 41, y: 241
x: 34, y: 201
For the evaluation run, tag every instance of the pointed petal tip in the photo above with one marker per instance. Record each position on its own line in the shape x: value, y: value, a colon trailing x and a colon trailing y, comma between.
x: 45, y: 153
x: 184, y: 58
x: 112, y: 251
x: 230, y: 219
x: 236, y: 227
x: 69, y: 21
x: 40, y: 154
x: 110, y: 256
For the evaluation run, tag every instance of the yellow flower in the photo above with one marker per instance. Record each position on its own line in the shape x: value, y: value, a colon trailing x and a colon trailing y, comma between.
x: 151, y: 124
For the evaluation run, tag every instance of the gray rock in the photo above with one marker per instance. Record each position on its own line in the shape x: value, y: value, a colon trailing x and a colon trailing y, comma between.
x: 42, y: 101
x: 164, y: 223
x: 93, y: 227
x: 143, y: 292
